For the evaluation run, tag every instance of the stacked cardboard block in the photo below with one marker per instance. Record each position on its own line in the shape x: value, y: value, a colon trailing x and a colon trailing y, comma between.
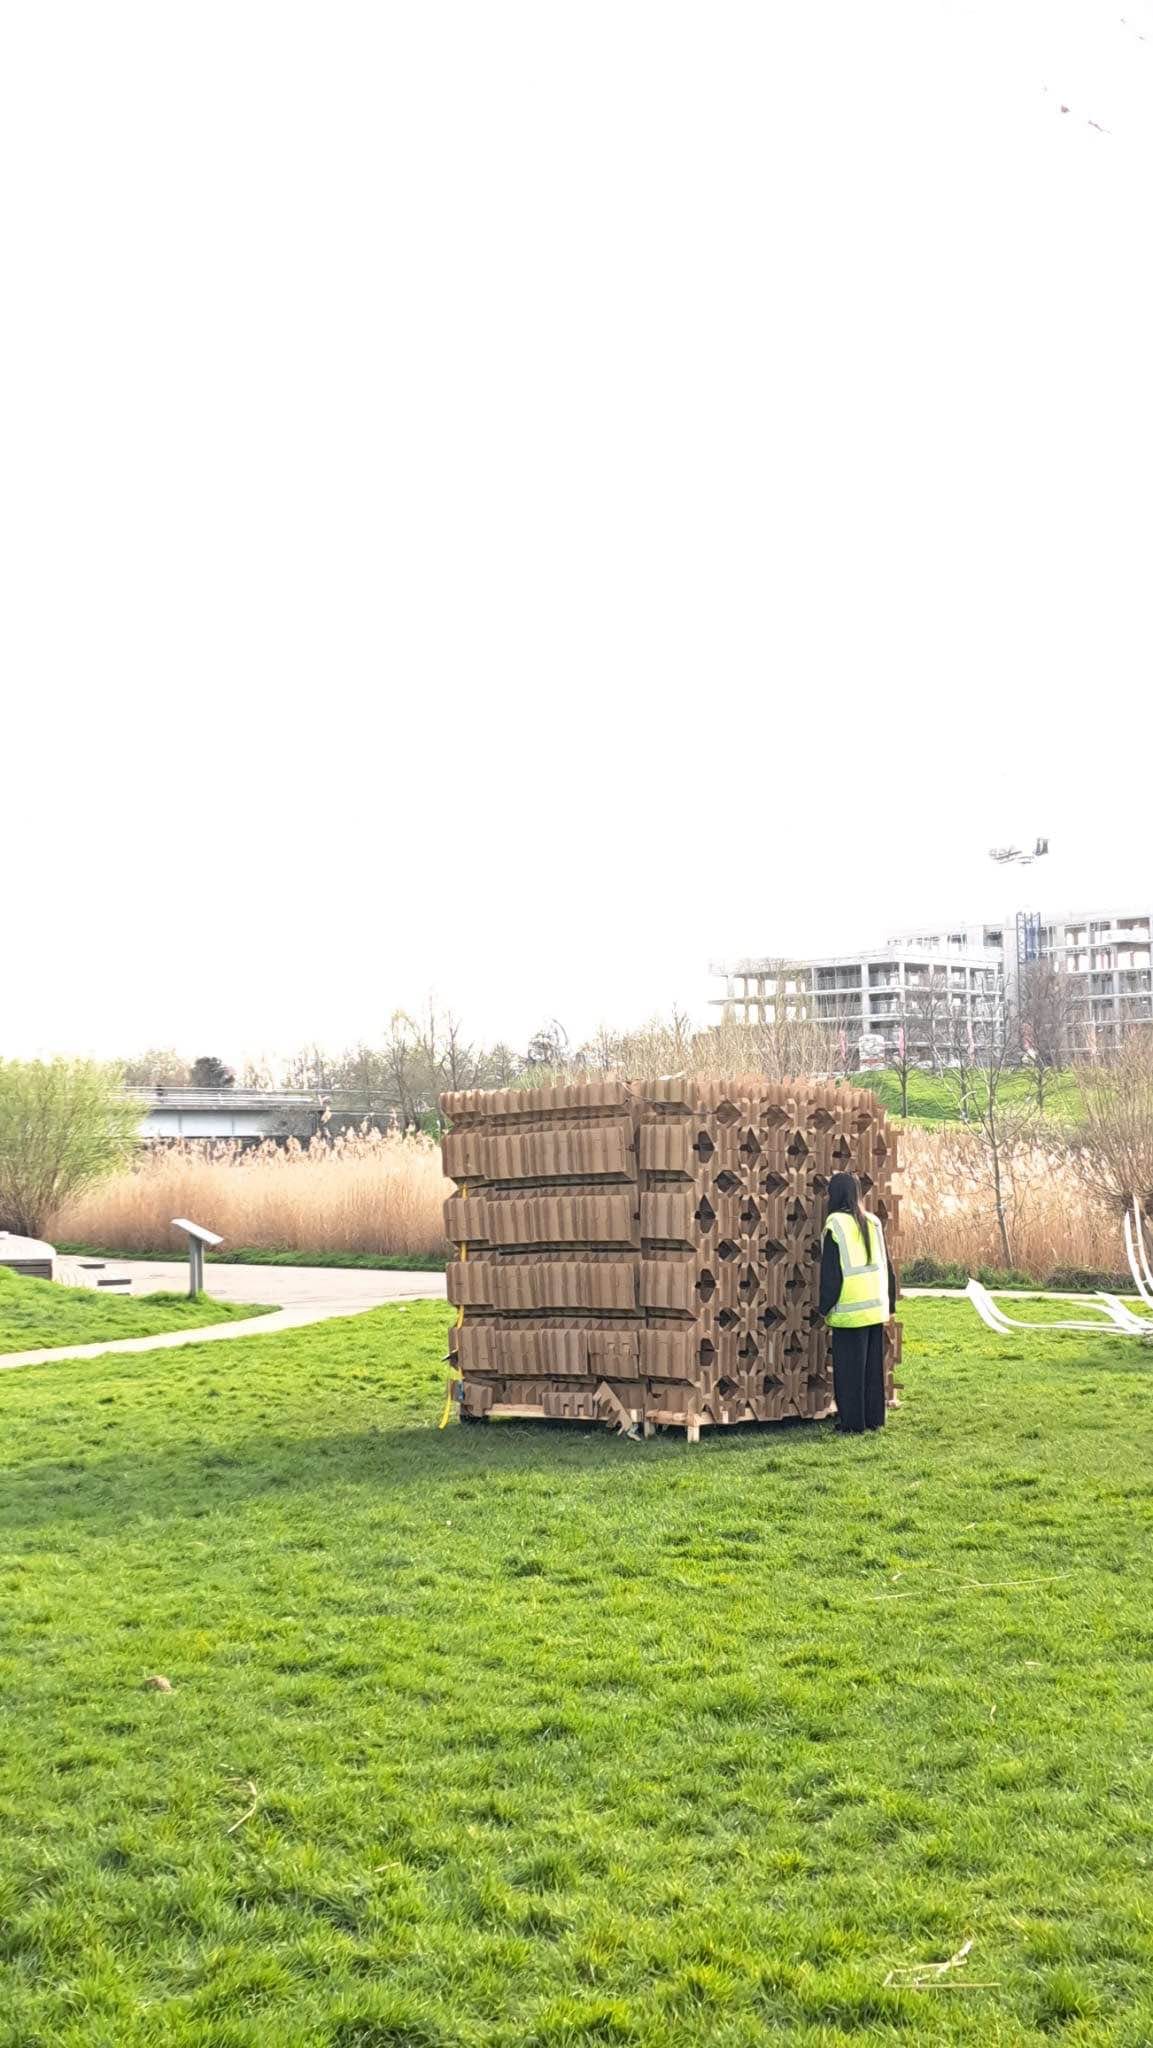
x: 648, y: 1253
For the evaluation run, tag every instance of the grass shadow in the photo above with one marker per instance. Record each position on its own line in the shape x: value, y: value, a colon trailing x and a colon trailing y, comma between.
x: 192, y: 1477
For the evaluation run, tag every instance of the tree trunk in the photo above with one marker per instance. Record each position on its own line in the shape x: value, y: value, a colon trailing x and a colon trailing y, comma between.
x: 999, y: 1197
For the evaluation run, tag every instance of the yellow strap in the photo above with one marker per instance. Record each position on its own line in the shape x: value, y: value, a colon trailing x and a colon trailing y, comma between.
x: 454, y: 1372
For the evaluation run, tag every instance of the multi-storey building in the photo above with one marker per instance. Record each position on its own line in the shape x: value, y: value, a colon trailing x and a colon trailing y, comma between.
x: 937, y: 1001
x: 1106, y: 955
x: 932, y: 984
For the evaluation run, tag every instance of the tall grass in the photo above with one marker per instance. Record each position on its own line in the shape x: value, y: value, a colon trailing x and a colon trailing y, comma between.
x: 374, y: 1193
x: 366, y: 1192
x: 947, y: 1208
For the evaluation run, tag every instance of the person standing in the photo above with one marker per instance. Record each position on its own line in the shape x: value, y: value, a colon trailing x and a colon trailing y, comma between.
x: 858, y: 1295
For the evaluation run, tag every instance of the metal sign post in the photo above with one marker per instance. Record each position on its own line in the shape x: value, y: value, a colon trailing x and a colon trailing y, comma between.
x: 197, y: 1237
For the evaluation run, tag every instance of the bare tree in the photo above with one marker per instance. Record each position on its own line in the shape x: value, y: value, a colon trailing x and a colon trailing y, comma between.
x: 403, y: 1068
x: 1113, y: 1138
x: 923, y: 1033
x: 1045, y: 1015
x: 257, y: 1073
x: 420, y: 1057
x: 665, y: 1045
x: 460, y: 1062
x: 902, y: 1063
x: 795, y: 1033
x: 428, y: 1039
x: 362, y: 1076
x: 162, y: 1068
x: 548, y: 1047
x: 312, y: 1068
x: 602, y: 1054
x: 984, y: 1048
x: 928, y: 1012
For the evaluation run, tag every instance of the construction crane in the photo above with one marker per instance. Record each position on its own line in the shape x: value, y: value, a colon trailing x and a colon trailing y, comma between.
x: 1027, y: 922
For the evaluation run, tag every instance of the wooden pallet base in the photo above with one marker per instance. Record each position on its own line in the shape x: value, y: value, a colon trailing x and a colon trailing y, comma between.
x: 636, y: 1420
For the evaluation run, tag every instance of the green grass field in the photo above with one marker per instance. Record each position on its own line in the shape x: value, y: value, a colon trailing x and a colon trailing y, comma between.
x: 260, y: 1255
x: 533, y: 1738
x: 933, y: 1097
x: 37, y: 1313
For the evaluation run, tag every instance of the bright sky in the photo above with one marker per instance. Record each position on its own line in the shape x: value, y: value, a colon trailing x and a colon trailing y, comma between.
x: 521, y: 500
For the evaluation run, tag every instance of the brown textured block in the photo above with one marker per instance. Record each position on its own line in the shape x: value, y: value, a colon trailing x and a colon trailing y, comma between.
x: 530, y: 1221
x: 650, y: 1251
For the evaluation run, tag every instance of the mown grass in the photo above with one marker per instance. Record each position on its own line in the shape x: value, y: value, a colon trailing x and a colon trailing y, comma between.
x: 37, y: 1313
x: 262, y: 1255
x: 933, y: 1098
x: 558, y: 1740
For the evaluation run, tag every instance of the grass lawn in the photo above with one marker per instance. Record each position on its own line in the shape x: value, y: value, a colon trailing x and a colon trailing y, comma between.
x: 933, y: 1097
x: 260, y: 1255
x: 37, y: 1313
x: 533, y: 1738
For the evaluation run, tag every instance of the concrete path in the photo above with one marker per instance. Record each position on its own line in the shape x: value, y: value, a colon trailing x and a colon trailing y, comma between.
x: 1006, y: 1293
x: 303, y: 1294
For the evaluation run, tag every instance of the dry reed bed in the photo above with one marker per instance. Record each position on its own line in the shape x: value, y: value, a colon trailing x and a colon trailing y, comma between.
x: 1054, y: 1221
x: 375, y: 1193
x: 365, y: 1192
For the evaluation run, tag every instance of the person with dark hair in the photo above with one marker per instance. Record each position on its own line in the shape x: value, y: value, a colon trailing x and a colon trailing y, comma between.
x: 858, y: 1295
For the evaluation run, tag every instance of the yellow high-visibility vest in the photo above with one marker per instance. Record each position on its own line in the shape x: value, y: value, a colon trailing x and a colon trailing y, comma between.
x: 864, y: 1296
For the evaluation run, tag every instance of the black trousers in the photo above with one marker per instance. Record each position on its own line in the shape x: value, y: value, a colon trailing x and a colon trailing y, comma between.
x: 859, y: 1378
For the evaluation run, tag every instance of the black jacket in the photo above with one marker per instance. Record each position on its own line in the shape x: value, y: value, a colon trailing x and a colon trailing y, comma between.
x: 832, y: 1278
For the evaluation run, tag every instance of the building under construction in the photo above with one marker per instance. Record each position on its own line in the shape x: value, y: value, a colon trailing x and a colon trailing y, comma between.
x: 922, y: 990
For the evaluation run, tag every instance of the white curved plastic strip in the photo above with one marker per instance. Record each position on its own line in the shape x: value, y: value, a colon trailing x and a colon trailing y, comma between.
x: 1139, y: 1228
x: 1118, y: 1318
x: 1135, y: 1250
x: 1135, y: 1262
x: 1125, y: 1318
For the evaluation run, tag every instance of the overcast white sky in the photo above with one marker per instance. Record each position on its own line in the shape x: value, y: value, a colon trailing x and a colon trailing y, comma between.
x: 521, y: 500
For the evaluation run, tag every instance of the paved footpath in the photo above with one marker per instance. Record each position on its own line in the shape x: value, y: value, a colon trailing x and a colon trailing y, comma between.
x: 303, y: 1294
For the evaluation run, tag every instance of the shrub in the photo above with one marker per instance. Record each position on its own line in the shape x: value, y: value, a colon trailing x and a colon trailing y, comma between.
x: 65, y: 1125
x: 1076, y: 1280
x: 1115, y: 1131
x: 926, y: 1272
x: 1004, y: 1276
